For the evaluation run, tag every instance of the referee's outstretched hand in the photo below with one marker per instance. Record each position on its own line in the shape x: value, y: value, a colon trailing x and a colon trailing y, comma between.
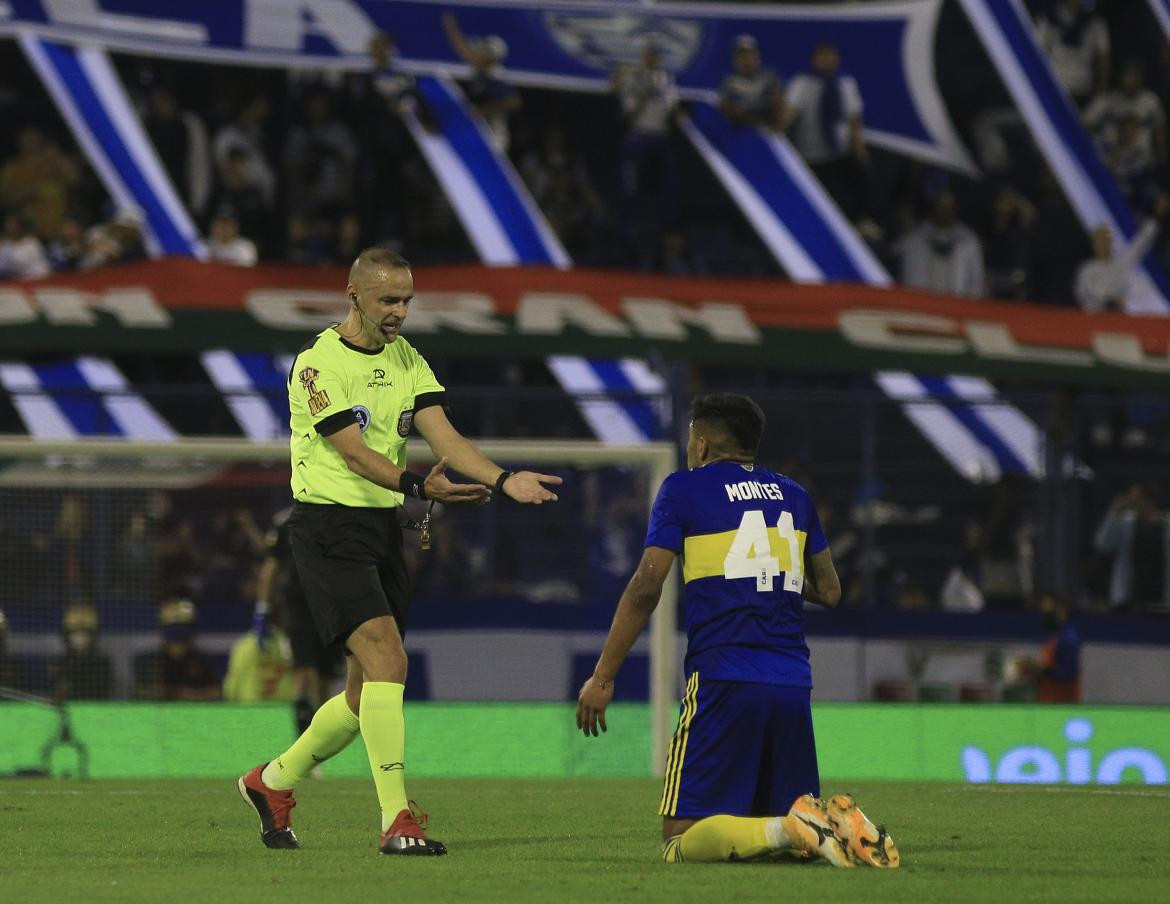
x: 528, y: 486
x: 439, y: 488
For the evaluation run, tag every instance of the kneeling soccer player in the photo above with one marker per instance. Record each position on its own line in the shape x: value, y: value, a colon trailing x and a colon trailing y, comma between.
x: 741, y: 776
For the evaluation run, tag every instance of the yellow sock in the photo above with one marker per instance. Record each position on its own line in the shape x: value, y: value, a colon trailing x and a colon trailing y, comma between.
x: 384, y: 732
x: 334, y: 725
x: 718, y: 838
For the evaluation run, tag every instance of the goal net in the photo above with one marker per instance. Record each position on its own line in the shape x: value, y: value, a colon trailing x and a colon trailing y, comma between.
x: 110, y: 550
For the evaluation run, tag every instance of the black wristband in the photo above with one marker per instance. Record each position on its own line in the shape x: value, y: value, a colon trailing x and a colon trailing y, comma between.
x: 504, y: 475
x: 410, y: 484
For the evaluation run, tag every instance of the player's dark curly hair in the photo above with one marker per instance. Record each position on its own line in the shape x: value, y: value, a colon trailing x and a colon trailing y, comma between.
x: 737, y: 416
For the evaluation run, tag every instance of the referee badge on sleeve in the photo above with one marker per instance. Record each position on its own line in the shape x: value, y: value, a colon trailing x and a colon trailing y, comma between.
x: 404, y: 421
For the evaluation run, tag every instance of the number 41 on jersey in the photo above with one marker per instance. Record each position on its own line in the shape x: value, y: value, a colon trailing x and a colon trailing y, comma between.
x: 750, y: 555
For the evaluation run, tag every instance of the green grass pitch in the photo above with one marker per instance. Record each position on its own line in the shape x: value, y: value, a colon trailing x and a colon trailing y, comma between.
x: 588, y: 840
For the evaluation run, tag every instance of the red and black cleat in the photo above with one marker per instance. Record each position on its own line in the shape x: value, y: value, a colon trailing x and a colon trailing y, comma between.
x: 406, y: 836
x: 273, y: 807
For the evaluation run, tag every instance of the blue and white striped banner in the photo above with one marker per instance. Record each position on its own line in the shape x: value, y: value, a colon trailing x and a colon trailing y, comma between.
x: 255, y: 390
x: 1007, y: 34
x: 801, y: 225
x: 87, y: 396
x: 608, y: 395
x: 981, y: 436
x: 503, y: 221
x: 91, y: 98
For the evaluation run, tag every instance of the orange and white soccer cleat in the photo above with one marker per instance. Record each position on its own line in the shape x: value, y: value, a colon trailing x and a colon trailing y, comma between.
x: 868, y: 844
x: 808, y: 828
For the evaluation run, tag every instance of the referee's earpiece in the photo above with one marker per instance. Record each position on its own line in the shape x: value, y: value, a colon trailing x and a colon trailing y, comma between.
x: 353, y: 298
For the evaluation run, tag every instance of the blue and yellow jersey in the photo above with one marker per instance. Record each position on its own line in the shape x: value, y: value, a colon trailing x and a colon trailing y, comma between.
x: 742, y: 531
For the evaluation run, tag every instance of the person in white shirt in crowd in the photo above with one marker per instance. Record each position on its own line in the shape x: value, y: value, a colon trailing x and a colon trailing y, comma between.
x: 648, y: 169
x: 225, y: 244
x: 1104, y: 281
x: 1076, y: 42
x: 244, y: 137
x: 22, y: 256
x: 943, y: 254
x: 751, y: 95
x: 1132, y: 100
x: 493, y: 98
x: 823, y: 115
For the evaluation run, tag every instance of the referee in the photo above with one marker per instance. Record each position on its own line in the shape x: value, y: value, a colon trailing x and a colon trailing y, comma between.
x: 354, y: 391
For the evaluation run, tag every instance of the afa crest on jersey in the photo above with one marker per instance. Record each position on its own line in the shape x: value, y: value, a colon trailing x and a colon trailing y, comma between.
x: 404, y: 421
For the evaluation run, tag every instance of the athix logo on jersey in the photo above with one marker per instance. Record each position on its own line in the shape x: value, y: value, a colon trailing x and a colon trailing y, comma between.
x: 318, y: 399
x: 379, y: 379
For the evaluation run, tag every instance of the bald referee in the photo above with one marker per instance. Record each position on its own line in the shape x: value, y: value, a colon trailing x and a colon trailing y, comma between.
x: 354, y: 391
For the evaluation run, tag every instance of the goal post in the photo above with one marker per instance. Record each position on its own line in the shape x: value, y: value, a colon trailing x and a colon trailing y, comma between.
x: 100, y: 462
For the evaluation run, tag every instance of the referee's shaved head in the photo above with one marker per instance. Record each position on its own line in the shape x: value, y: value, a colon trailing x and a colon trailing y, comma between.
x: 371, y: 260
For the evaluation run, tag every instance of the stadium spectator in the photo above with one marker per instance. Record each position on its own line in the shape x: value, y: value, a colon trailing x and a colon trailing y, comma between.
x: 1000, y: 544
x: 259, y: 666
x: 559, y: 181
x: 751, y: 94
x: 67, y: 248
x: 1058, y: 673
x: 380, y: 97
x: 245, y: 139
x: 11, y: 668
x: 1008, y: 237
x: 678, y: 258
x: 71, y: 551
x: 82, y: 672
x: 647, y: 168
x: 179, y: 671
x: 1131, y: 100
x: 180, y: 553
x: 942, y: 254
x: 113, y: 242
x: 39, y: 181
x: 22, y: 256
x: 180, y: 138
x: 823, y: 110
x: 1076, y: 41
x: 1131, y: 161
x: 493, y: 98
x: 236, y: 549
x: 1135, y: 533
x: 1104, y: 282
x: 225, y: 244
x: 234, y: 188
x: 319, y: 159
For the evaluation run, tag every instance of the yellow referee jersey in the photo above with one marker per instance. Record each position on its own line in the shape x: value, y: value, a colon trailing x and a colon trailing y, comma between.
x: 334, y: 383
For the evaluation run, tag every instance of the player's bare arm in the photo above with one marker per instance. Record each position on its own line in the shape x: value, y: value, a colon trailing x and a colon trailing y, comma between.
x: 377, y: 468
x: 821, y: 584
x: 637, y: 604
x: 447, y: 442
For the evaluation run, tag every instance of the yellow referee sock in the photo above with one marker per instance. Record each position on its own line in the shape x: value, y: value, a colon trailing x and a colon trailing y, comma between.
x: 719, y: 838
x: 384, y: 731
x: 334, y: 725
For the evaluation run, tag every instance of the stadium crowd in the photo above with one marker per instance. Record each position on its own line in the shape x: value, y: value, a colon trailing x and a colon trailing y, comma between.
x: 309, y: 167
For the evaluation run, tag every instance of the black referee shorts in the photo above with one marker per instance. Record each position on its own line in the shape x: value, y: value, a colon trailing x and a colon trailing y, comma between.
x: 308, y: 651
x: 350, y: 564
